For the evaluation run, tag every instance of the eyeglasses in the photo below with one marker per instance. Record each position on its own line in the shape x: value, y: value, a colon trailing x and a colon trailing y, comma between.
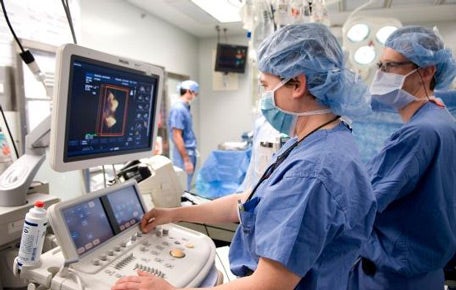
x: 387, y: 66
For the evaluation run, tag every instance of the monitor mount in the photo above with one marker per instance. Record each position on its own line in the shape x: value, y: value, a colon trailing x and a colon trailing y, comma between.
x: 17, y: 178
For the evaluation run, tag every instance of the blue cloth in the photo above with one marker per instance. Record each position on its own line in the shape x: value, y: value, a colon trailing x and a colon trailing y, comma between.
x: 415, y: 229
x: 311, y: 215
x: 180, y: 117
x: 222, y: 173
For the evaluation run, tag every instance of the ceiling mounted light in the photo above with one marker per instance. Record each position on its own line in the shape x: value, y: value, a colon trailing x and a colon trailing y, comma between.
x: 384, y: 32
x: 223, y: 10
x: 365, y: 55
x: 358, y: 32
x: 364, y: 38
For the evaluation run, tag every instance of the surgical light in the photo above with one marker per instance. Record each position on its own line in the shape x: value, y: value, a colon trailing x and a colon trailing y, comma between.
x: 363, y: 38
x: 365, y: 55
x: 383, y: 33
x: 358, y: 32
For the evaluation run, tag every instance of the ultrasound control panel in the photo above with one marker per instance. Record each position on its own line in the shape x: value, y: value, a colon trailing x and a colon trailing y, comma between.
x: 100, y: 240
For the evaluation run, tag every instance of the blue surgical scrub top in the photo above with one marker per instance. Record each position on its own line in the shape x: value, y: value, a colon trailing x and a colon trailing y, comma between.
x: 180, y: 117
x: 311, y: 215
x: 413, y: 178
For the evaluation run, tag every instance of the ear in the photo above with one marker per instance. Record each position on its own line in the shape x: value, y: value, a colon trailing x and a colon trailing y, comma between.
x: 427, y: 73
x: 300, y: 88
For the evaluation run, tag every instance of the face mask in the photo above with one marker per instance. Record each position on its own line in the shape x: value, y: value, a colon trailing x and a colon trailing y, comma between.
x: 386, y: 89
x: 282, y: 120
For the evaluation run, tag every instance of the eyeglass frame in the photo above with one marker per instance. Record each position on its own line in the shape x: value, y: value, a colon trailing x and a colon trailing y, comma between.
x: 387, y: 66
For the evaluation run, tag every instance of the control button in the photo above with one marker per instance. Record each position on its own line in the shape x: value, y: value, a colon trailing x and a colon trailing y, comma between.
x: 117, y: 248
x: 110, y: 253
x: 103, y: 257
x: 177, y: 253
x: 133, y: 238
x: 123, y: 244
x: 146, y: 243
x: 165, y: 232
x: 190, y: 245
x: 96, y: 262
x: 139, y: 234
x: 143, y: 249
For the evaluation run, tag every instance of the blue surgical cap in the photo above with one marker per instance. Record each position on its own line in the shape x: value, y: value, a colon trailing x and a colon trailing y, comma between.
x: 424, y: 47
x: 312, y: 50
x: 189, y: 85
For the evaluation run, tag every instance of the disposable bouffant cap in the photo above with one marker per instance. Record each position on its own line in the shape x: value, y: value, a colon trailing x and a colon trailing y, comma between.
x: 424, y: 47
x: 311, y: 49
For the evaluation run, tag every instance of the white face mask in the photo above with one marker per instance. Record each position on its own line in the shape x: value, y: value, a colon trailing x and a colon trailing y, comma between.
x: 386, y: 88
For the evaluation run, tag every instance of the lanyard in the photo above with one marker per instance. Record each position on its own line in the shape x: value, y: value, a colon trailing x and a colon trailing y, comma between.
x: 267, y: 173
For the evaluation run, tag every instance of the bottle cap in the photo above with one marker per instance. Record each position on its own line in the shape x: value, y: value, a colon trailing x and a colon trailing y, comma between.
x: 39, y: 203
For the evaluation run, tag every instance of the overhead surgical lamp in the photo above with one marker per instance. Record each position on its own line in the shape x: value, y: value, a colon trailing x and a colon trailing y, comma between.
x: 363, y: 38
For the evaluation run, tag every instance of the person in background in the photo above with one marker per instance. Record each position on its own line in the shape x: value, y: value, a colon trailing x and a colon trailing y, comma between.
x: 180, y: 127
x: 413, y: 176
x: 303, y: 223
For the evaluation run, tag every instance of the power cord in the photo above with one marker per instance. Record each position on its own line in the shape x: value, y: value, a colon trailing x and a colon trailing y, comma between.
x: 26, y: 55
x: 66, y: 272
x: 66, y: 8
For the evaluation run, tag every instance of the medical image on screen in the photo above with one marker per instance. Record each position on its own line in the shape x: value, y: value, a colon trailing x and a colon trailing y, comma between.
x: 113, y: 110
x: 110, y: 110
x: 125, y: 207
x: 88, y: 225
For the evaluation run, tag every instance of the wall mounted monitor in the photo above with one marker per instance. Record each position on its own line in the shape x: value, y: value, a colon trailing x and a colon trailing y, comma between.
x: 230, y: 58
x: 105, y: 109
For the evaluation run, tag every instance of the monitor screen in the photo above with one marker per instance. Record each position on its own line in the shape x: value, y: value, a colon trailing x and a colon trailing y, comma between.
x: 88, y: 225
x: 105, y: 109
x: 230, y: 58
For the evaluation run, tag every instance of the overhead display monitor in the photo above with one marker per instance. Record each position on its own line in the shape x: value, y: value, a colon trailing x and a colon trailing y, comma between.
x: 230, y: 58
x: 105, y: 109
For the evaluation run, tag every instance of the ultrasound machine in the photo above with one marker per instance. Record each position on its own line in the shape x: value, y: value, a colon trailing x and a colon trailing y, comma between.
x: 105, y: 111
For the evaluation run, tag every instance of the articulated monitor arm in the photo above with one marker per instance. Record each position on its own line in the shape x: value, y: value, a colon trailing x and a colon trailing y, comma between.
x: 16, y: 179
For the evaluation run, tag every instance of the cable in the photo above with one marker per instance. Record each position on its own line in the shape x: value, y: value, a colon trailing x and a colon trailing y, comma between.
x: 10, y: 26
x: 66, y: 8
x: 26, y: 55
x: 65, y: 272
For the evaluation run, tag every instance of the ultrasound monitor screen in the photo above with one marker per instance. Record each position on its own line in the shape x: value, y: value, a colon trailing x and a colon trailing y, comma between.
x: 125, y: 207
x: 110, y: 108
x: 88, y: 225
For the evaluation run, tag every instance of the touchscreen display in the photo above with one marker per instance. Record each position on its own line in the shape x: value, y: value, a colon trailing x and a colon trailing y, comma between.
x: 88, y: 225
x: 125, y: 207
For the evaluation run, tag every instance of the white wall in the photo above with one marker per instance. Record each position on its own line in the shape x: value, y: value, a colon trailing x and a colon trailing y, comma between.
x: 224, y: 115
x: 119, y: 28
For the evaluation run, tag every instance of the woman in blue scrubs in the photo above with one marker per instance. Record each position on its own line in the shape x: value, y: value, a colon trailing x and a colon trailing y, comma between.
x: 414, y: 175
x: 302, y: 225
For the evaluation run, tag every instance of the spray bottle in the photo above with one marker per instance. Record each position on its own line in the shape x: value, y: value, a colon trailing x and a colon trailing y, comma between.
x: 33, y: 235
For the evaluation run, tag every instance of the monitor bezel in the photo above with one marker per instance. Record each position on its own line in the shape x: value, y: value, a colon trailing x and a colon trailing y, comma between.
x: 60, y: 117
x: 224, y: 69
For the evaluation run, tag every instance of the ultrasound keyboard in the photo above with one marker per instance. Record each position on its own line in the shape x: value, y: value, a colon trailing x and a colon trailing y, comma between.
x: 100, y: 242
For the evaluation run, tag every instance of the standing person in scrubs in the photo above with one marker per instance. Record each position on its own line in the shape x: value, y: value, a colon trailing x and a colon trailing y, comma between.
x: 302, y: 225
x: 180, y: 126
x: 414, y: 175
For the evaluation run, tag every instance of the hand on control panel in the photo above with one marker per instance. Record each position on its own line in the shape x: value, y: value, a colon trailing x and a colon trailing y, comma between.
x: 144, y: 281
x: 156, y: 217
